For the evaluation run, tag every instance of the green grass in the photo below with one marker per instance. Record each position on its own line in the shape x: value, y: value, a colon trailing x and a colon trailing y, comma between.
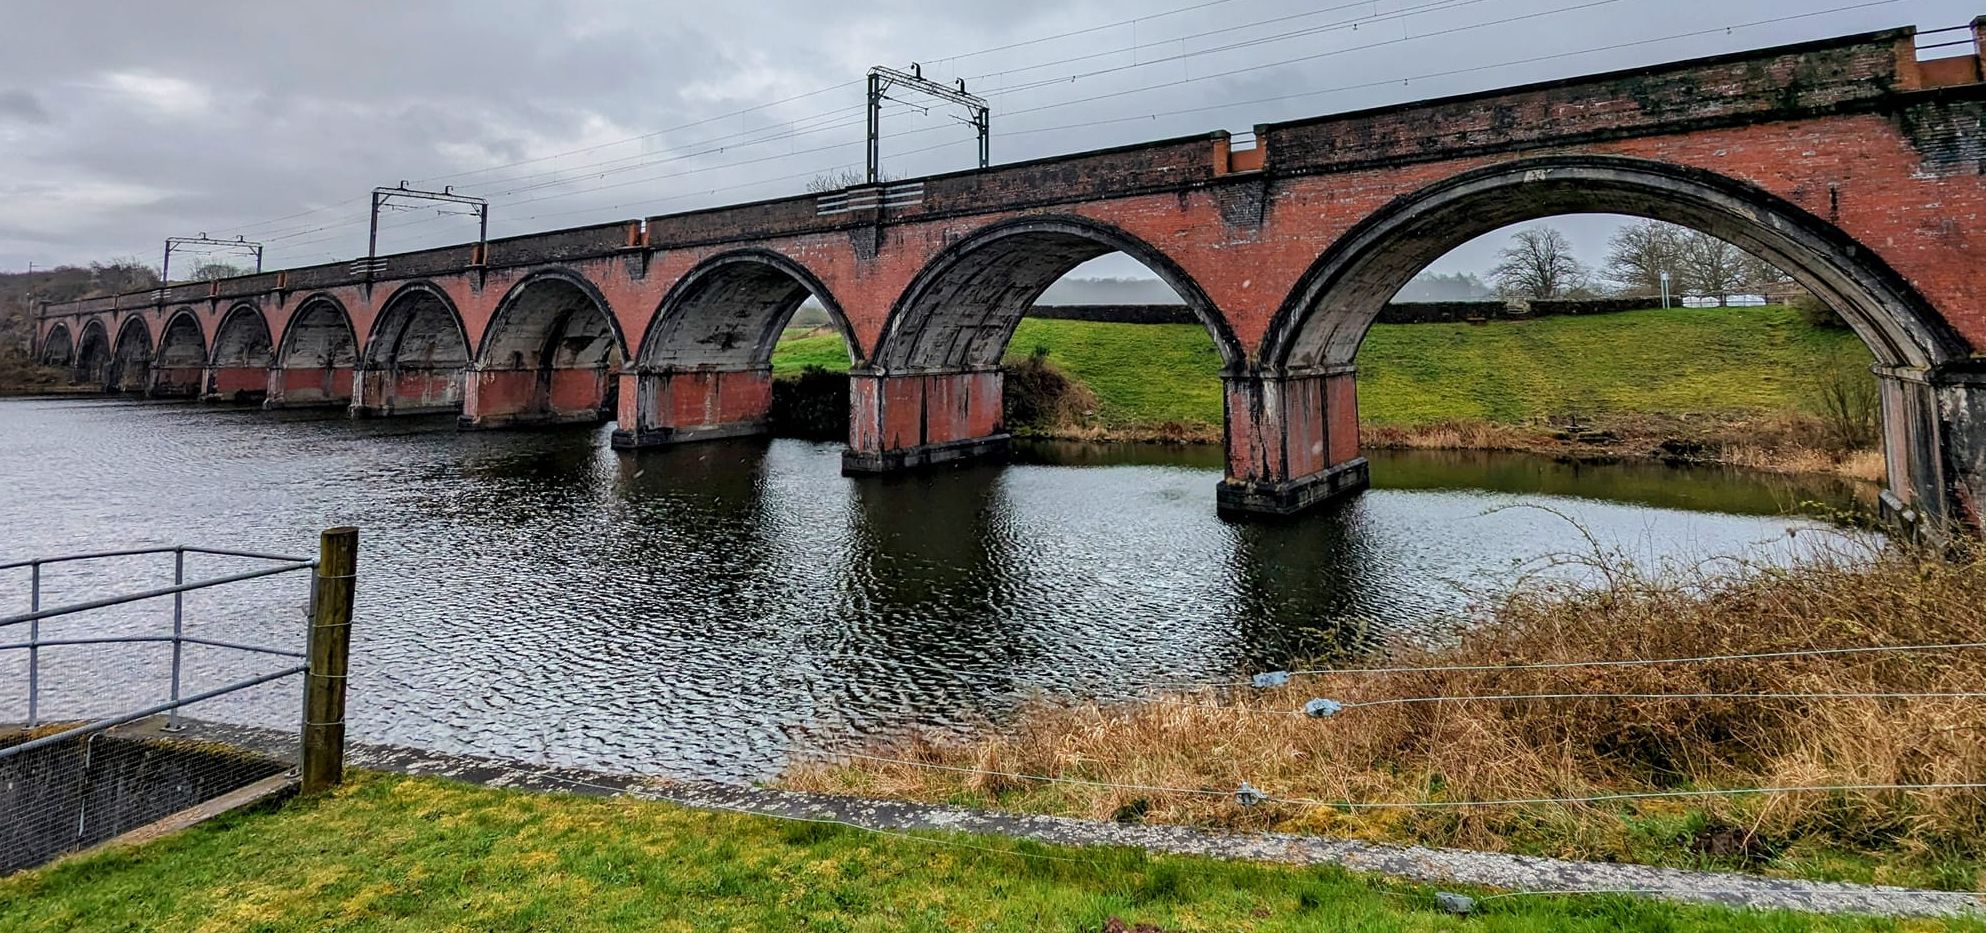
x: 397, y: 853
x: 1678, y: 361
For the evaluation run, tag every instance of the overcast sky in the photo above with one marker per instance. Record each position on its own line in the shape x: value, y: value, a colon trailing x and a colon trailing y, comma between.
x: 124, y: 123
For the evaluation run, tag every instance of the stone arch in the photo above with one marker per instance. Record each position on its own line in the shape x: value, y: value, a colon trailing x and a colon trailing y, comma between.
x: 962, y: 308
x: 93, y: 354
x: 317, y: 358
x: 728, y: 312
x: 180, y: 368
x: 704, y: 368
x: 1317, y: 332
x: 131, y: 357
x: 243, y: 353
x: 58, y: 348
x: 415, y: 357
x: 1328, y: 313
x: 550, y: 354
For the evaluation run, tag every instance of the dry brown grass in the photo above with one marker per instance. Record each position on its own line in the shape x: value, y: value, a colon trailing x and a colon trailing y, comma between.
x: 1776, y: 442
x: 1487, y: 750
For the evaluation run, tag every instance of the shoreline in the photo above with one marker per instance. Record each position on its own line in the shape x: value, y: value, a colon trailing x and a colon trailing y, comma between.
x: 1765, y: 442
x: 1582, y: 774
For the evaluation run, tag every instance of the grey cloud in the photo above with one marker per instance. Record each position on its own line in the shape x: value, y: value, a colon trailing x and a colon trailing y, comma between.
x: 288, y: 107
x: 22, y: 107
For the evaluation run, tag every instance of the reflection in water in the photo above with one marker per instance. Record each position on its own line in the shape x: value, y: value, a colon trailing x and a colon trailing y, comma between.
x: 709, y: 609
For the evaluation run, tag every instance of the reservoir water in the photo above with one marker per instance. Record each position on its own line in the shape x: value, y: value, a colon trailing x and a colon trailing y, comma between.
x: 709, y: 610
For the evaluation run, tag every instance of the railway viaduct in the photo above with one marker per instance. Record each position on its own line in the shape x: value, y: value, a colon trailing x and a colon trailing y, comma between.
x: 1848, y: 162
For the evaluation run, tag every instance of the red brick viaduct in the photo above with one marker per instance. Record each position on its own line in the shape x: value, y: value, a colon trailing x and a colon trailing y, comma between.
x: 1847, y: 162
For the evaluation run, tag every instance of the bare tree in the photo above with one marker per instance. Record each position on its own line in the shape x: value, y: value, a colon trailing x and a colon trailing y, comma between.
x: 210, y: 271
x: 1711, y: 267
x: 1538, y: 263
x: 841, y: 178
x: 124, y: 274
x: 1640, y: 252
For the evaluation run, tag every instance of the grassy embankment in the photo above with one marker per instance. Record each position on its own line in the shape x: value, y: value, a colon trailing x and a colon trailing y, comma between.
x: 393, y: 853
x: 20, y: 375
x: 1642, y: 738
x: 1737, y: 385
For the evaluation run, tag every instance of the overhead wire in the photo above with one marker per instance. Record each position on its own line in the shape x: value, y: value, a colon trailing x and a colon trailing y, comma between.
x: 1163, y: 85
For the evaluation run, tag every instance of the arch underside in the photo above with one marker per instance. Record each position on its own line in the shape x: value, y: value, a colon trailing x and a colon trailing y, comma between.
x: 726, y: 317
x: 93, y: 355
x: 59, y: 347
x: 318, y: 357
x: 131, y: 359
x: 1365, y: 270
x: 416, y: 358
x: 962, y: 312
x: 1318, y: 332
x: 181, y: 366
x: 243, y: 340
x: 551, y: 355
x: 242, y: 356
x: 704, y: 368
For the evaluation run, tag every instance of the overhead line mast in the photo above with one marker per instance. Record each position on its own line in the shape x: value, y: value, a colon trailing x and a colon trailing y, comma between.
x: 883, y: 78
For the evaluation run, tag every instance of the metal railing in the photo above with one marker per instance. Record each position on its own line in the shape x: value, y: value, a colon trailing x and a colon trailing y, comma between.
x: 178, y: 639
x: 67, y: 786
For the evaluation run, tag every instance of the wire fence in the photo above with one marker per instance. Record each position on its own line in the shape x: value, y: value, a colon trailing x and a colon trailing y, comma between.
x: 73, y: 773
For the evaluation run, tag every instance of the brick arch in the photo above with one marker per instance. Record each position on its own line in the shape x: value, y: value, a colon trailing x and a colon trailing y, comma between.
x: 1293, y: 424
x: 729, y: 310
x: 962, y: 307
x: 93, y: 353
x: 315, y: 362
x: 320, y: 333
x: 549, y: 354
x: 238, y: 366
x: 1333, y: 305
x: 180, y: 367
x: 242, y: 339
x: 58, y: 348
x: 417, y: 353
x: 704, y: 367
x: 131, y: 356
x: 181, y: 341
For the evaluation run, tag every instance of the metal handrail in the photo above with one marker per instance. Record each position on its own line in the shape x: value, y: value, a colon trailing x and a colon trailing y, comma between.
x: 151, y: 594
x: 169, y: 706
x: 148, y: 639
x: 169, y: 549
x: 178, y: 639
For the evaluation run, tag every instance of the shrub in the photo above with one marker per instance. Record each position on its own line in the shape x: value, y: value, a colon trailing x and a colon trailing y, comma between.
x: 812, y: 405
x: 1817, y: 313
x: 1039, y: 396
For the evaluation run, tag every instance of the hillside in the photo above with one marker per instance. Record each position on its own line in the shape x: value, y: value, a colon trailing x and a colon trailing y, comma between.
x: 1673, y: 362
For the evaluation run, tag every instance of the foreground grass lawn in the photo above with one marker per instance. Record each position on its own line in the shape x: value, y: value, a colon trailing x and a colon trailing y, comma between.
x: 396, y: 853
x: 1673, y: 362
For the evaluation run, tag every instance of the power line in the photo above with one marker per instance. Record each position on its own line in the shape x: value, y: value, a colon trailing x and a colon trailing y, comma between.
x: 1431, y: 7
x: 1506, y: 20
x: 243, y: 227
x: 1375, y: 83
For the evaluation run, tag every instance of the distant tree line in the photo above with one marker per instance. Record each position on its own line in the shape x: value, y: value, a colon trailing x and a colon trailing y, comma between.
x: 1539, y: 264
x: 20, y: 291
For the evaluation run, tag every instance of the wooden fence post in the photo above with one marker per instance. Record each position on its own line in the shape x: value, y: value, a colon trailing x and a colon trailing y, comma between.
x: 329, y: 654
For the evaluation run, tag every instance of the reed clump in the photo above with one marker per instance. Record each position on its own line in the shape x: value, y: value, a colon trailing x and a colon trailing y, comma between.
x: 1202, y: 743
